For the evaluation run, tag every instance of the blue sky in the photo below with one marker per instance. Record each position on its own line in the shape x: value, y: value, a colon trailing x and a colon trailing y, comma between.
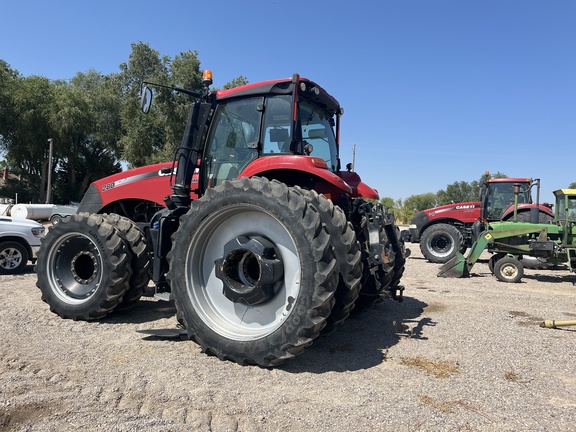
x: 434, y: 91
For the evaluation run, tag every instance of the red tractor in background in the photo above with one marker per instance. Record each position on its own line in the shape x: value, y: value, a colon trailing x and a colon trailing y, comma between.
x: 254, y: 231
x: 443, y: 231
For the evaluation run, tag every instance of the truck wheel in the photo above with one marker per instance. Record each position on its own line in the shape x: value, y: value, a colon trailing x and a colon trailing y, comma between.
x: 13, y: 257
x: 55, y: 219
x: 508, y: 269
x: 252, y: 272
x: 439, y: 243
x: 141, y: 257
x: 348, y: 257
x: 83, y: 267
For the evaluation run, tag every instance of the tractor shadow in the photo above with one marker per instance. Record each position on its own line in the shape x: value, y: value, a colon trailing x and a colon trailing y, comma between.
x: 29, y: 269
x: 363, y: 340
x: 147, y: 309
x: 548, y: 278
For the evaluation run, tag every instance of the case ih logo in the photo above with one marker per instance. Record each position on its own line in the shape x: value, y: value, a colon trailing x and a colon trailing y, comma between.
x: 462, y: 207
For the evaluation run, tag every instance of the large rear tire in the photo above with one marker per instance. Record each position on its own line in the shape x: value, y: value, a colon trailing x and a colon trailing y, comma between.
x: 252, y: 272
x: 524, y: 216
x: 347, y: 253
x: 83, y: 267
x: 439, y: 243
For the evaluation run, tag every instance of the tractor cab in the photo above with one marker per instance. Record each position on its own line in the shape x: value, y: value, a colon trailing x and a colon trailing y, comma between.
x: 565, y: 214
x: 565, y: 205
x: 246, y: 126
x: 499, y: 195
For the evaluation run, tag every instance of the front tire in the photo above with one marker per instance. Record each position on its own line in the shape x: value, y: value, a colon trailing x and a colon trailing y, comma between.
x: 83, y: 267
x: 493, y: 260
x: 252, y: 272
x: 439, y: 243
x: 508, y: 269
x: 13, y: 257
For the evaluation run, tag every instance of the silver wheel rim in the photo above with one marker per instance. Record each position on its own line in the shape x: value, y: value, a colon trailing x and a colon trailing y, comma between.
x: 441, y: 245
x: 509, y: 271
x: 10, y: 258
x: 236, y: 320
x: 74, y: 271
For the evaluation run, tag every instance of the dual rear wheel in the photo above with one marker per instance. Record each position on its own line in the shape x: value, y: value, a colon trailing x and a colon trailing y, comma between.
x: 89, y: 264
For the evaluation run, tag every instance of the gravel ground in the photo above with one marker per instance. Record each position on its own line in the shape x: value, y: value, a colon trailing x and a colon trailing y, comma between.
x: 457, y: 355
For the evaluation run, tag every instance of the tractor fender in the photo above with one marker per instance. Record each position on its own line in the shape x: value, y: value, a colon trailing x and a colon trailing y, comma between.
x: 543, y: 210
x: 299, y: 167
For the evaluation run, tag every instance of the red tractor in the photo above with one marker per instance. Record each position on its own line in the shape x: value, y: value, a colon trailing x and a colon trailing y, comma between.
x: 443, y: 231
x: 253, y: 231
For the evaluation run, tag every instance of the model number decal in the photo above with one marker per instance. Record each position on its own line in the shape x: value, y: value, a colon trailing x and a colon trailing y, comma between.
x: 108, y: 186
x: 135, y: 178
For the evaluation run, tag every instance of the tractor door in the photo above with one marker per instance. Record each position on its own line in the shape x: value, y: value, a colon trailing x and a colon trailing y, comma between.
x: 232, y: 140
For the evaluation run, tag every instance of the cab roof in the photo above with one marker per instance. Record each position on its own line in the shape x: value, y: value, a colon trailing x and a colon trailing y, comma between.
x: 284, y: 86
x: 565, y: 192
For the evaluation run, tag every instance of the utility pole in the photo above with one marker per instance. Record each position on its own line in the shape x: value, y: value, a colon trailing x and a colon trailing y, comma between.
x: 49, y: 191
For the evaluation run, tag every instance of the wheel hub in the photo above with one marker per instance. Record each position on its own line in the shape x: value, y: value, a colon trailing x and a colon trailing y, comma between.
x: 441, y: 244
x: 84, y: 267
x: 76, y: 268
x: 10, y: 259
x: 509, y: 271
x: 250, y: 270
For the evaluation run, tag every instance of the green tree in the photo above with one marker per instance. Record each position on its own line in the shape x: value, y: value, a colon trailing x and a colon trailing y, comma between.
x: 236, y: 82
x: 458, y: 192
x: 155, y: 137
x: 25, y: 128
x: 416, y: 203
x: 387, y: 202
x: 572, y: 186
x: 462, y: 191
x: 82, y: 119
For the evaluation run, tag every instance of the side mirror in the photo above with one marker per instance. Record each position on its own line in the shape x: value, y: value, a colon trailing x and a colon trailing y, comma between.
x: 145, y: 99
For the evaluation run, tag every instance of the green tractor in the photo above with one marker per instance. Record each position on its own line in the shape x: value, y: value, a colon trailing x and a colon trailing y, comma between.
x: 511, y: 241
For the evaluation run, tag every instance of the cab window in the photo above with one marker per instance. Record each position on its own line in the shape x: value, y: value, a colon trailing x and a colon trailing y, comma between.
x: 232, y: 140
x: 317, y: 134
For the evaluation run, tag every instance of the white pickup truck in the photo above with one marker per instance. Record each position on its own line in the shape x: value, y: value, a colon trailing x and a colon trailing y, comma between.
x: 19, y: 243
